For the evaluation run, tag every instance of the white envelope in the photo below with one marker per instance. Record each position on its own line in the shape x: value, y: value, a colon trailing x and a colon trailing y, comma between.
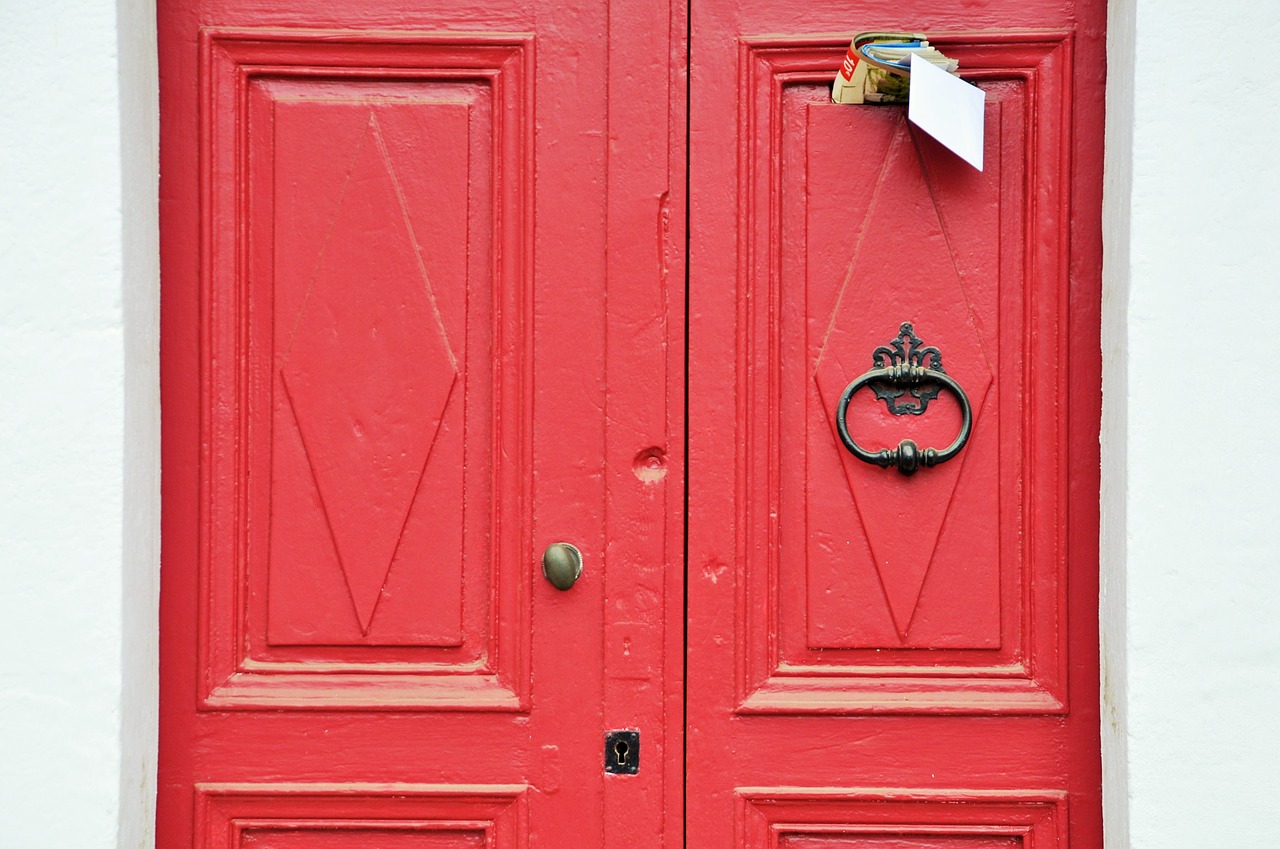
x: 947, y: 108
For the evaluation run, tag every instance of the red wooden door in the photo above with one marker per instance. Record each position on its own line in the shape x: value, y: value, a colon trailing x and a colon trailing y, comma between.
x: 423, y: 315
x: 878, y: 660
x: 388, y: 236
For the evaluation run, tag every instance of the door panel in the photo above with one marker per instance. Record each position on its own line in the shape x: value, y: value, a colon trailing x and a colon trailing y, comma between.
x: 304, y: 816
x: 880, y: 820
x: 876, y: 659
x: 862, y: 568
x: 387, y: 239
x: 356, y: 378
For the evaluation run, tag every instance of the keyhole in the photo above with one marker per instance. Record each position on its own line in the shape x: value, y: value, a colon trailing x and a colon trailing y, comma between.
x: 622, y: 752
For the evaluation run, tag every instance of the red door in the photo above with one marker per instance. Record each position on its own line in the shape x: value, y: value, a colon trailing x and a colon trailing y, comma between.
x: 424, y: 316
x: 388, y: 238
x: 878, y: 659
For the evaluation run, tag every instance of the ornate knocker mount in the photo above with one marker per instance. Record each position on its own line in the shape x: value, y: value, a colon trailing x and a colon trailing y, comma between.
x: 906, y: 374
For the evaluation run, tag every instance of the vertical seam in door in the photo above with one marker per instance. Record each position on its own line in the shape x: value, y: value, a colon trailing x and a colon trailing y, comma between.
x: 684, y: 620
x: 609, y: 512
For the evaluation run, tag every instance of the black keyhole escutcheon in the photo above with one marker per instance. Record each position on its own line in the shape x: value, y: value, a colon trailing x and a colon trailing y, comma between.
x: 622, y: 752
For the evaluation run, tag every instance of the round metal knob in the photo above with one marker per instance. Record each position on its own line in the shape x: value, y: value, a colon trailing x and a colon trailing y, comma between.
x: 562, y: 565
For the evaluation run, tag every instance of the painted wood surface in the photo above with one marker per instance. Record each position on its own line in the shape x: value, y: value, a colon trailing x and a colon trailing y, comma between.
x: 424, y: 314
x: 876, y: 659
x: 389, y: 382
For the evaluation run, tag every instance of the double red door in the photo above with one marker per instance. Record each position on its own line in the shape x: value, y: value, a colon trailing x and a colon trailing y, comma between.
x: 446, y: 285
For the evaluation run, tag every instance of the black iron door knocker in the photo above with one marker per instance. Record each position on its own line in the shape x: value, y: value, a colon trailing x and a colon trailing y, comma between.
x: 906, y: 374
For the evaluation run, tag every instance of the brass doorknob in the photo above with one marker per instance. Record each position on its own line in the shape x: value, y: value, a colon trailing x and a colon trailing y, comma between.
x: 562, y: 565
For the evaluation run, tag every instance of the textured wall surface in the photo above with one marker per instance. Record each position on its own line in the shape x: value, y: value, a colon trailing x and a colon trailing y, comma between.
x: 79, y: 420
x: 1191, y: 494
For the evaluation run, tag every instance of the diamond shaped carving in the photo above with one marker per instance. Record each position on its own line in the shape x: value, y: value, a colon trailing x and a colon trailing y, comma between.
x: 901, y: 270
x: 369, y: 371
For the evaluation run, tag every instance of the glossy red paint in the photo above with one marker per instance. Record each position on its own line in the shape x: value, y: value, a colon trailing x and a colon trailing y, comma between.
x: 875, y: 659
x: 389, y: 382
x: 424, y: 313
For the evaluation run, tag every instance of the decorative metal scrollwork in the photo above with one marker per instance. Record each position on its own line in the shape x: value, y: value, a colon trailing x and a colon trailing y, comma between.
x: 905, y: 367
x: 907, y: 349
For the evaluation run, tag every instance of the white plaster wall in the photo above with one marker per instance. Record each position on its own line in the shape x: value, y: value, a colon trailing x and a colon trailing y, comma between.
x: 140, y: 288
x: 1191, y: 495
x: 78, y: 424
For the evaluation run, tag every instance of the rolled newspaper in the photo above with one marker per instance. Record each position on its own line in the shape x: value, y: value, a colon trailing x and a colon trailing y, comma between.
x: 876, y: 68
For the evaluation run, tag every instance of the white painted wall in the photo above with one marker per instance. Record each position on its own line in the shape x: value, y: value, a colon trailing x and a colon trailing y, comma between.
x: 1191, y: 501
x: 1191, y: 492
x: 79, y: 414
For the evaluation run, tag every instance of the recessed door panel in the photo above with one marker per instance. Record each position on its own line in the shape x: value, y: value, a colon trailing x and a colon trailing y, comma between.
x: 377, y: 434
x: 866, y: 589
x: 395, y: 816
x: 879, y: 819
x: 355, y: 449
